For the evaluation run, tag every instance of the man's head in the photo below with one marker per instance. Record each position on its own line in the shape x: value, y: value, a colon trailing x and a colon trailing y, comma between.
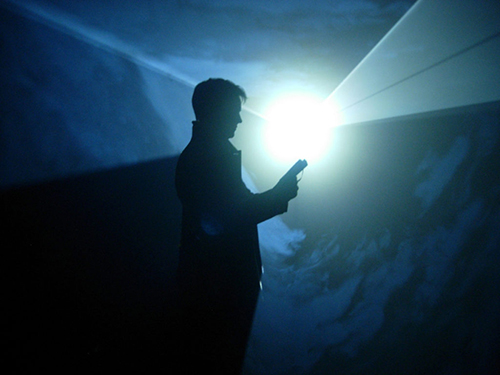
x: 217, y: 104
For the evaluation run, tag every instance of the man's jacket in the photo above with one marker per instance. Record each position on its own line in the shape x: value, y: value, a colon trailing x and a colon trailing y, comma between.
x: 219, y: 249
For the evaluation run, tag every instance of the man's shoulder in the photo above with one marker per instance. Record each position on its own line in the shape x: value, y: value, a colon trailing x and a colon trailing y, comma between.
x: 194, y: 151
x: 196, y: 158
x: 199, y: 149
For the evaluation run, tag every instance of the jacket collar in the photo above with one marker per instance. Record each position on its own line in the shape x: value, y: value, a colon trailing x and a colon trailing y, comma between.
x: 200, y: 134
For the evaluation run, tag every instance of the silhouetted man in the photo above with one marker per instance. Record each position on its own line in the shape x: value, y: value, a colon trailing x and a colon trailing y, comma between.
x: 219, y: 264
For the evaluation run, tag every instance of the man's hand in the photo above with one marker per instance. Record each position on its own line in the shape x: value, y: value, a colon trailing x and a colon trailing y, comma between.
x: 287, y: 187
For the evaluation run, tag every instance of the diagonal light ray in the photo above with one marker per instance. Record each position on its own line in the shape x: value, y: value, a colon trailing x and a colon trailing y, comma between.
x: 100, y: 40
x: 423, y: 70
x: 452, y: 47
x: 373, y: 50
x: 109, y: 43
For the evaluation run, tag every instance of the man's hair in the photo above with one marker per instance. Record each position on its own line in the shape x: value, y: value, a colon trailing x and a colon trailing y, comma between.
x: 211, y: 97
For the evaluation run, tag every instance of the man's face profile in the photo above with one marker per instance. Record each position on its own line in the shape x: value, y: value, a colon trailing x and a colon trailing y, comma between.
x: 229, y: 118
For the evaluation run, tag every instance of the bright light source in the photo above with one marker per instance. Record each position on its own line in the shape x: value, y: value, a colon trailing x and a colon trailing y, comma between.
x: 299, y: 127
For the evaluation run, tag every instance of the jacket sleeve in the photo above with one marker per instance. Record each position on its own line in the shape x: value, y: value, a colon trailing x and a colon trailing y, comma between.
x: 256, y: 208
x: 220, y: 200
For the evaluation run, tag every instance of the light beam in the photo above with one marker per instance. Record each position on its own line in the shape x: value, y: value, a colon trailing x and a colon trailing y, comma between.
x: 299, y: 127
x: 64, y: 24
x: 441, y: 54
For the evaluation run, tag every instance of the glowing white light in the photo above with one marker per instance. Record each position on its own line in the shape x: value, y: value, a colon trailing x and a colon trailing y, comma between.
x: 299, y: 127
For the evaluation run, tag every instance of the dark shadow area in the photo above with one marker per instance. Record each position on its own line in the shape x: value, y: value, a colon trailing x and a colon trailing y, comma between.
x: 91, y: 268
